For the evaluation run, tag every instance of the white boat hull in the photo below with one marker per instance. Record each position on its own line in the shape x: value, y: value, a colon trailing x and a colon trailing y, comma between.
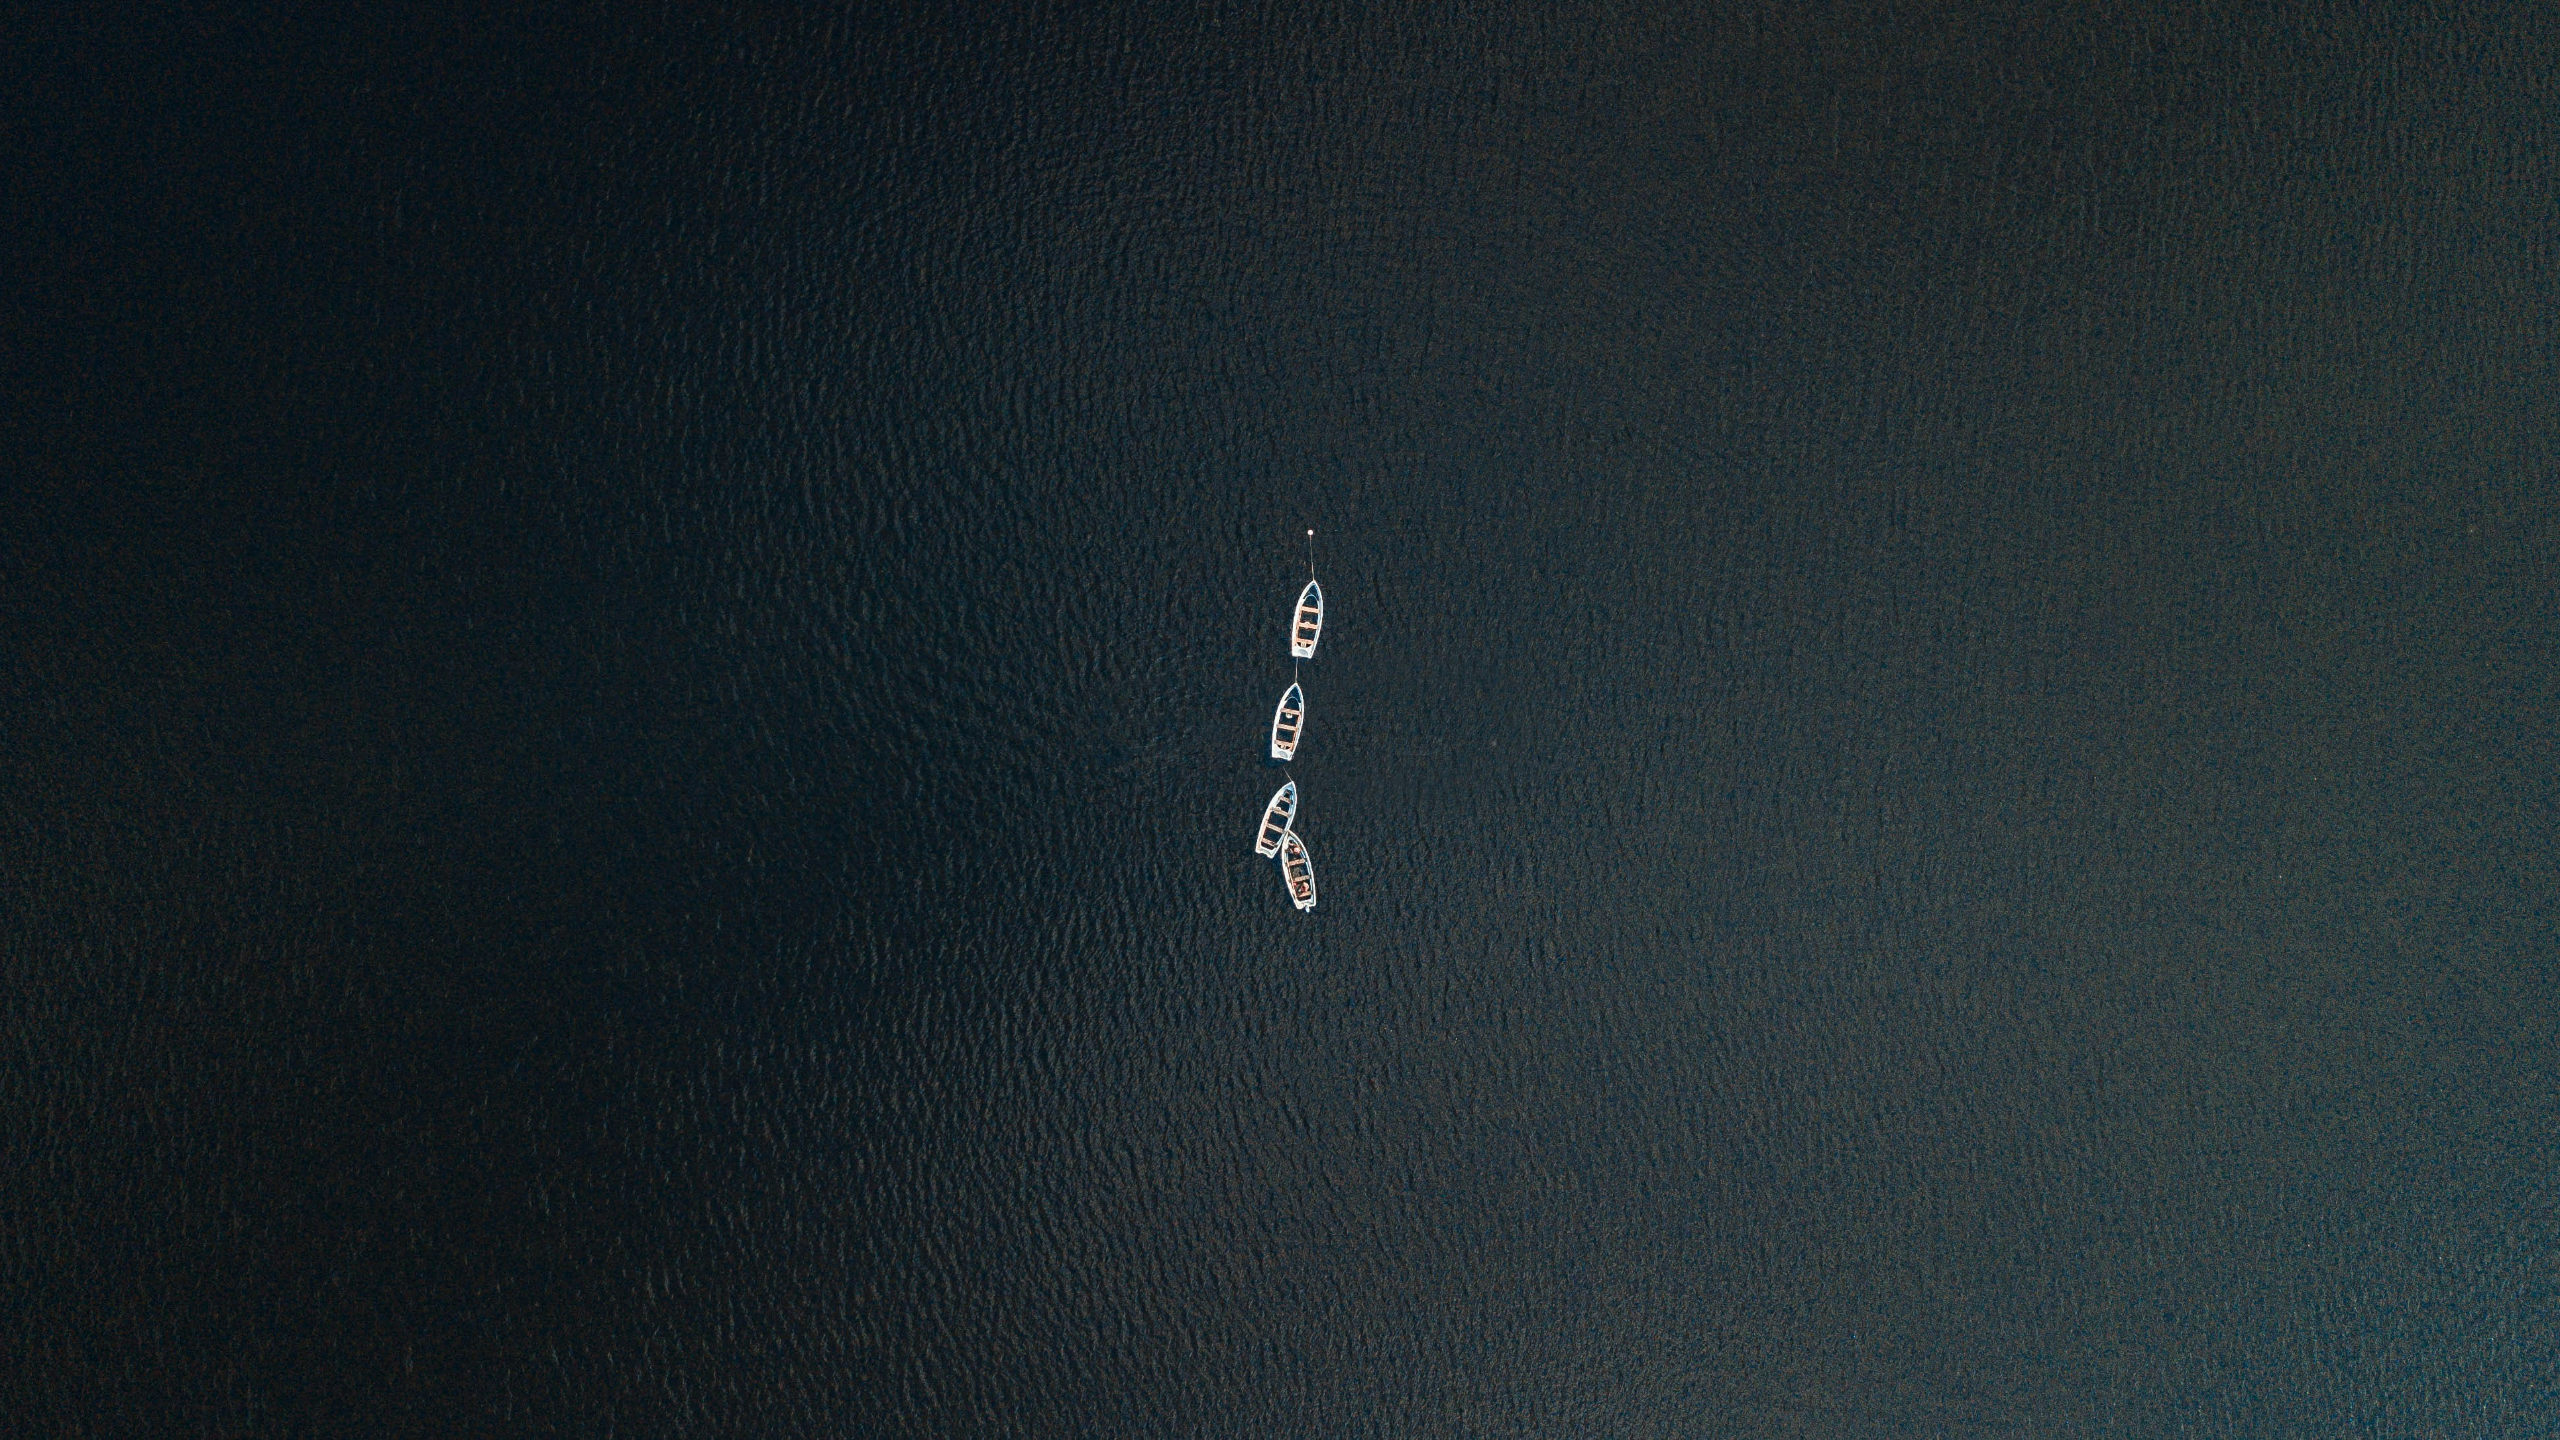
x: 1295, y: 868
x: 1308, y: 627
x: 1276, y: 818
x: 1287, y: 721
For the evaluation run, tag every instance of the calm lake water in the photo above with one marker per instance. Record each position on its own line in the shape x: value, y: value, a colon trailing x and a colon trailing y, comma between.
x: 639, y: 652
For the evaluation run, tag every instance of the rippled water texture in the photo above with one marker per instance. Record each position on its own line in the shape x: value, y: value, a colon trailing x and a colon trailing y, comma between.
x: 640, y: 650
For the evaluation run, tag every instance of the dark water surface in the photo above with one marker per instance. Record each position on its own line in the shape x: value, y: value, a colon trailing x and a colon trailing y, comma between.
x: 636, y: 648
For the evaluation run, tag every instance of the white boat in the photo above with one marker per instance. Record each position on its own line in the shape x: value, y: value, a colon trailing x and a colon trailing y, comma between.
x: 1293, y: 864
x: 1276, y: 818
x: 1286, y: 721
x: 1310, y: 622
